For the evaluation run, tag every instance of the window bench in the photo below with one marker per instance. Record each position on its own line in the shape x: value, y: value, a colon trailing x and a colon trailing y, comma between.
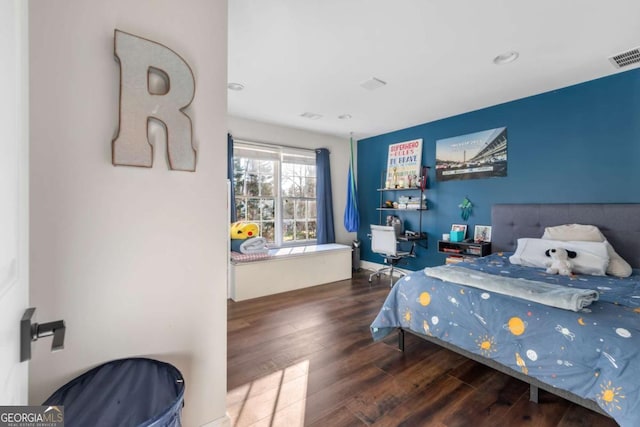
x: 288, y: 269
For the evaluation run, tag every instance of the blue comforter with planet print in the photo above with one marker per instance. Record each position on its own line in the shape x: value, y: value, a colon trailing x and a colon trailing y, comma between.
x: 594, y: 352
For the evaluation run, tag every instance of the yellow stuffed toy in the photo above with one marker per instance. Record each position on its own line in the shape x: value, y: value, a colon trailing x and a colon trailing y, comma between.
x: 244, y: 230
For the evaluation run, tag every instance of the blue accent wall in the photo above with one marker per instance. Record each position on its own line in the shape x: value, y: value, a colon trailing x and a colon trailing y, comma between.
x: 579, y: 144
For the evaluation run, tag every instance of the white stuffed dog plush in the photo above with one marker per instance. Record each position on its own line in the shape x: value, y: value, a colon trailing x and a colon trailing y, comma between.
x: 560, y: 261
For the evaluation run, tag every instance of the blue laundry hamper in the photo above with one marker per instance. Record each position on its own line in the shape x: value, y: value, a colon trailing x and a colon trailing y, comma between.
x: 128, y: 392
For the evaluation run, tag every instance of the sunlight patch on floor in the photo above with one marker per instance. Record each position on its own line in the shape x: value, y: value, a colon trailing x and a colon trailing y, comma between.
x: 277, y: 399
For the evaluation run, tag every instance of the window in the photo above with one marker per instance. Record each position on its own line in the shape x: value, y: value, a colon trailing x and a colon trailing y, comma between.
x: 275, y: 187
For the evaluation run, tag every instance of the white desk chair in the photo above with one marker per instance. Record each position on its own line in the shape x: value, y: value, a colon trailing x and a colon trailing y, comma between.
x: 384, y: 242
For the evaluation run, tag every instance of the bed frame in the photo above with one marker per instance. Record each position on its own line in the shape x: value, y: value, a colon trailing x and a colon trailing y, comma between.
x: 620, y: 223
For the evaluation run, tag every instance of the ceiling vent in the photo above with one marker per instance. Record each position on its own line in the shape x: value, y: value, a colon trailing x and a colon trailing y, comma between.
x: 312, y: 116
x: 626, y: 58
x: 372, y: 83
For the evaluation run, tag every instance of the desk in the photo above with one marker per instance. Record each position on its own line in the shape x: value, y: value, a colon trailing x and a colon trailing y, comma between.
x: 412, y: 238
x: 415, y: 240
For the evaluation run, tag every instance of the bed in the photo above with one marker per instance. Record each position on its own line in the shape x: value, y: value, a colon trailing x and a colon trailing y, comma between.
x: 590, y: 356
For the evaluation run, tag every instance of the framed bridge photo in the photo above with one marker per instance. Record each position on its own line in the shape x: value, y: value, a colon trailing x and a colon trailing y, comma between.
x: 472, y: 156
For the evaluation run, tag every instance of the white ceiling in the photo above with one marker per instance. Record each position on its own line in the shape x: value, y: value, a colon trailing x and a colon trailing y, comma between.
x: 296, y: 56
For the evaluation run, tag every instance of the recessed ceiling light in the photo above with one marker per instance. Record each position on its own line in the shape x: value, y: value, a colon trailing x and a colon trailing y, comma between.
x: 311, y: 116
x: 344, y: 116
x: 235, y: 86
x: 506, y: 57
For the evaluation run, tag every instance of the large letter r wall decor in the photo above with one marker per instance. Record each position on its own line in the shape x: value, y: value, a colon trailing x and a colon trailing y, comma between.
x: 141, y: 62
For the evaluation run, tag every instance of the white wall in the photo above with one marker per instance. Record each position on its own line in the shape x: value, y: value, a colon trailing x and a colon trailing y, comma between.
x: 133, y: 259
x: 252, y: 130
x: 14, y: 254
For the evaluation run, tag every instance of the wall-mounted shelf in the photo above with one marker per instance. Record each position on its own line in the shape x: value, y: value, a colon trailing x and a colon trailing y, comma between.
x: 400, y: 189
x: 464, y: 249
x: 408, y: 192
x: 398, y: 209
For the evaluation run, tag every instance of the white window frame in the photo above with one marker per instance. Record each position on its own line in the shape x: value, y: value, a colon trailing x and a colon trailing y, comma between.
x: 278, y: 154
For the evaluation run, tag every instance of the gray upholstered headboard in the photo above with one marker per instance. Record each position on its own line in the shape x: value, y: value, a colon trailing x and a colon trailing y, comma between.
x: 620, y: 223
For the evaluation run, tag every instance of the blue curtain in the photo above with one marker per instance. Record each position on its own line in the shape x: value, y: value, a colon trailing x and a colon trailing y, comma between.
x: 232, y: 205
x: 324, y: 201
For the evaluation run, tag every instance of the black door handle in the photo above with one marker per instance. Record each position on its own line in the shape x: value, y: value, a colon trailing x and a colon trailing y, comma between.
x: 31, y: 331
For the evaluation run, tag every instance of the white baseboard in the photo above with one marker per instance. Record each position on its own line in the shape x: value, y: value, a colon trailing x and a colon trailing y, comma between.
x: 220, y: 422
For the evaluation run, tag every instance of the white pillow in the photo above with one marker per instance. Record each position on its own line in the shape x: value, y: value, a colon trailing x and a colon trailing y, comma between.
x: 575, y: 232
x: 592, y: 257
x: 590, y: 233
x: 617, y: 265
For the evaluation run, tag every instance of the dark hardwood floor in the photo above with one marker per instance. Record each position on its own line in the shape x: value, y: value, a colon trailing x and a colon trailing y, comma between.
x: 307, y: 358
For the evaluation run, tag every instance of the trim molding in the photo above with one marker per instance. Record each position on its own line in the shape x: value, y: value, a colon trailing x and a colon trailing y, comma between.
x: 220, y: 422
